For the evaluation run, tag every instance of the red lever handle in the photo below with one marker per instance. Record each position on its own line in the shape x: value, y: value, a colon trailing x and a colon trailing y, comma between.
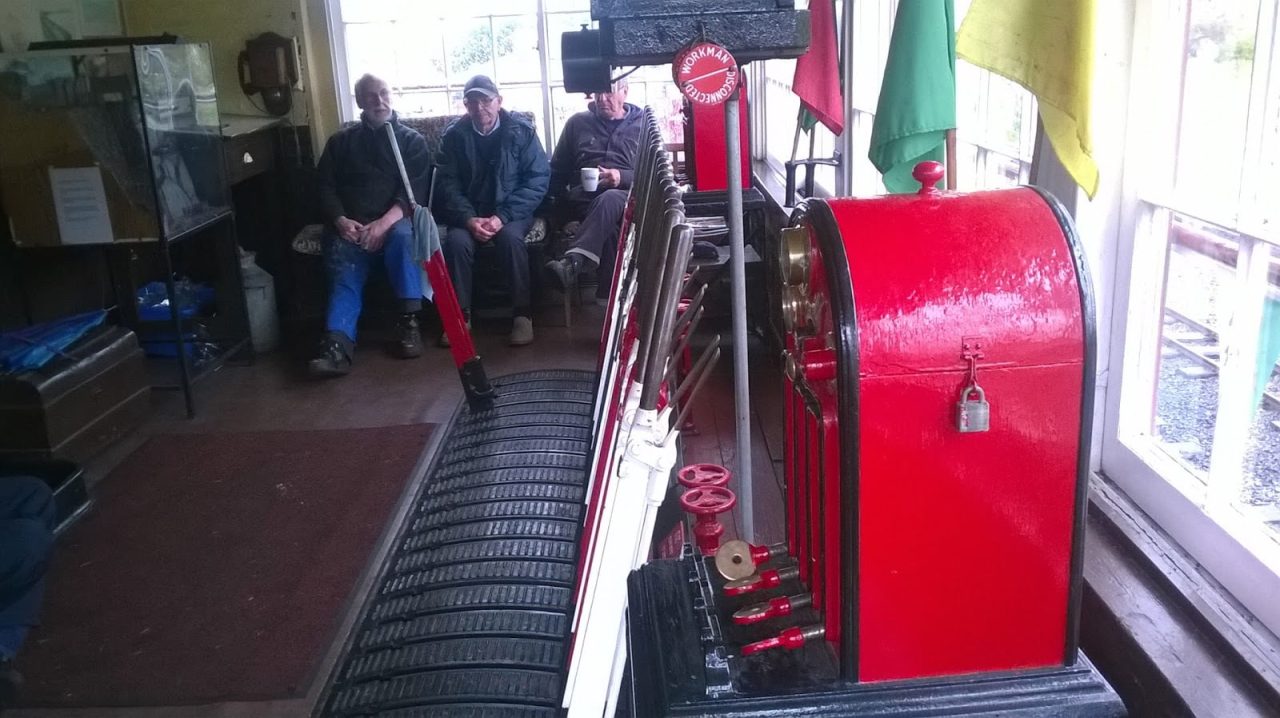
x: 695, y: 475
x: 774, y: 607
x: 791, y: 638
x: 765, y: 579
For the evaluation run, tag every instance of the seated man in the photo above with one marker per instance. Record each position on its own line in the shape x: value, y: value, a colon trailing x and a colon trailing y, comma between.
x: 26, y: 538
x: 606, y: 135
x: 493, y: 175
x: 368, y: 218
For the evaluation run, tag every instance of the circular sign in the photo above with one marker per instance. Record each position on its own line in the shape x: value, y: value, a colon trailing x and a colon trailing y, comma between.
x: 706, y: 73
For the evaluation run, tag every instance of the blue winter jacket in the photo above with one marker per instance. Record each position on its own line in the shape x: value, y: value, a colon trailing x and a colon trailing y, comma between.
x: 522, y: 169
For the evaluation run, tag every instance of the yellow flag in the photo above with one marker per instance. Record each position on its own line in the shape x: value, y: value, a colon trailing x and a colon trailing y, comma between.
x: 1047, y: 47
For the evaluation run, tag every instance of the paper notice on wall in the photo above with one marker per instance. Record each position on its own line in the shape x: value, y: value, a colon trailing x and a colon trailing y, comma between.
x: 80, y: 201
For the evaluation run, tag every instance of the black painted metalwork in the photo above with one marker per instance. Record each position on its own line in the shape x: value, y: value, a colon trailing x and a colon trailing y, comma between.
x: 650, y: 32
x: 672, y: 674
x: 470, y: 615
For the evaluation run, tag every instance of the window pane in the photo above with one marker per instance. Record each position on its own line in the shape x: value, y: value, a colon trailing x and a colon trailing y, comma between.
x: 1001, y: 170
x: 425, y: 104
x: 470, y: 48
x: 367, y: 41
x: 419, y: 50
x: 872, y: 28
x: 665, y: 99
x: 516, y: 39
x: 1260, y: 192
x: 1215, y: 106
x: 1197, y: 293
x: 1006, y: 103
x: 866, y: 180
x: 781, y: 109
x: 558, y: 25
x: 369, y: 10
x: 1260, y: 489
x: 563, y: 106
x: 524, y: 98
x: 475, y: 8
x: 562, y: 5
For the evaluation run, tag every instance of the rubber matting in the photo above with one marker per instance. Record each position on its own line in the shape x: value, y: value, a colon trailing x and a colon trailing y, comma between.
x: 470, y: 614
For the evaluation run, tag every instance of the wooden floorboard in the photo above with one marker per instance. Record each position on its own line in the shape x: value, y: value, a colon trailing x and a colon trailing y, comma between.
x: 715, y: 440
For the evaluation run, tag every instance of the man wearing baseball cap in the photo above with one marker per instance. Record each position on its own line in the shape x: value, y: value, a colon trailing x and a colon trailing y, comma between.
x: 493, y: 174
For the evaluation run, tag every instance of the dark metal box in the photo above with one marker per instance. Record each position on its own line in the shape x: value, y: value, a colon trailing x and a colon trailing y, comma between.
x: 78, y: 404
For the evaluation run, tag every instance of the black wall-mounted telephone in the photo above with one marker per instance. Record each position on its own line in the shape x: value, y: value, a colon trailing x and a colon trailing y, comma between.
x: 268, y: 66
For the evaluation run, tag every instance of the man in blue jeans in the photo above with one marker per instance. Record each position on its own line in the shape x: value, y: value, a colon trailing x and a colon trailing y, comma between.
x: 27, y: 518
x: 368, y: 217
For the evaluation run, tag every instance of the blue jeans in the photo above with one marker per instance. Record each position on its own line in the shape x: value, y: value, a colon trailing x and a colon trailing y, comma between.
x: 27, y: 516
x: 348, y: 269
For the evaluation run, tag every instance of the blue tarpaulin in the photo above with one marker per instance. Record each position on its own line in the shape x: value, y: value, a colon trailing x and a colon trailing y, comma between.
x: 32, y: 347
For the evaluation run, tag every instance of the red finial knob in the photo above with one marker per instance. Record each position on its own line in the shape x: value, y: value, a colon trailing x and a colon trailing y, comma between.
x: 929, y: 174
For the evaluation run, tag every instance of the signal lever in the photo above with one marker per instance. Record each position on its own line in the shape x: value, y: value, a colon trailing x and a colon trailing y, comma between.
x: 791, y: 638
x: 761, y: 581
x: 774, y: 607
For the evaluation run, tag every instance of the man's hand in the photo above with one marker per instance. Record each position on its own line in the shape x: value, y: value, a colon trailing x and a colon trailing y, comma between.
x: 348, y: 229
x: 479, y: 229
x: 374, y: 234
x: 494, y: 224
x: 609, y: 178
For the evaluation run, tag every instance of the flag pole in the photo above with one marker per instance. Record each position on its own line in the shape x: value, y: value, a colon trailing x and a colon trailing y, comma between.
x: 795, y: 141
x: 950, y: 137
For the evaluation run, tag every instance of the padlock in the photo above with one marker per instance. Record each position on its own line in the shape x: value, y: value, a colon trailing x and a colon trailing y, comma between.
x: 973, y: 415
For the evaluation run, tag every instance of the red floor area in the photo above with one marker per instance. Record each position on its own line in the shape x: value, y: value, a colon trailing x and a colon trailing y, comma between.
x: 215, y: 567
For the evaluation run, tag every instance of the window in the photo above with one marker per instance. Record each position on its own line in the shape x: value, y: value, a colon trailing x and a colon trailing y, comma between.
x: 427, y: 51
x: 995, y: 117
x: 1193, y: 432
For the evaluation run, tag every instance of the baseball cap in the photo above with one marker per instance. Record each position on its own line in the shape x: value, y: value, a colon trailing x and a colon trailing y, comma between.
x: 482, y: 85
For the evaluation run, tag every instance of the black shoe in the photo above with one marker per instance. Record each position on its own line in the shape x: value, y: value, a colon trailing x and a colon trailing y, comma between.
x: 333, y: 360
x: 563, y: 272
x: 408, y: 339
x: 10, y: 684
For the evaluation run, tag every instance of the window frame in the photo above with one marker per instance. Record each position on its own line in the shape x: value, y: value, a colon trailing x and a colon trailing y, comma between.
x: 1238, y: 553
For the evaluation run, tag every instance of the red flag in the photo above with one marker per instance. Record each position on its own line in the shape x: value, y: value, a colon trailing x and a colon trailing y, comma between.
x: 817, y: 78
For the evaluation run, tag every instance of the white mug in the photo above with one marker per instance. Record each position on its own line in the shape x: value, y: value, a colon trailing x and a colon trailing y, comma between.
x: 590, y: 179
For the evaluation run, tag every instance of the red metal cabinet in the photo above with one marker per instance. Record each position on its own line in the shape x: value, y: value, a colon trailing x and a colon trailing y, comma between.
x: 931, y: 551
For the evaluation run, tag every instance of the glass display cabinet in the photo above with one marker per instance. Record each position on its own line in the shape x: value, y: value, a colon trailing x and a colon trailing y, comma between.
x: 119, y: 146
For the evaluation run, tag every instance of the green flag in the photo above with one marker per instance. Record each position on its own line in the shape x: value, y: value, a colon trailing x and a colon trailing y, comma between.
x: 918, y: 95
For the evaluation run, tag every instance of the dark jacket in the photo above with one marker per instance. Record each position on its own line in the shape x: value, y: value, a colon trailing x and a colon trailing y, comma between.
x: 589, y: 141
x: 358, y: 177
x: 521, y: 169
